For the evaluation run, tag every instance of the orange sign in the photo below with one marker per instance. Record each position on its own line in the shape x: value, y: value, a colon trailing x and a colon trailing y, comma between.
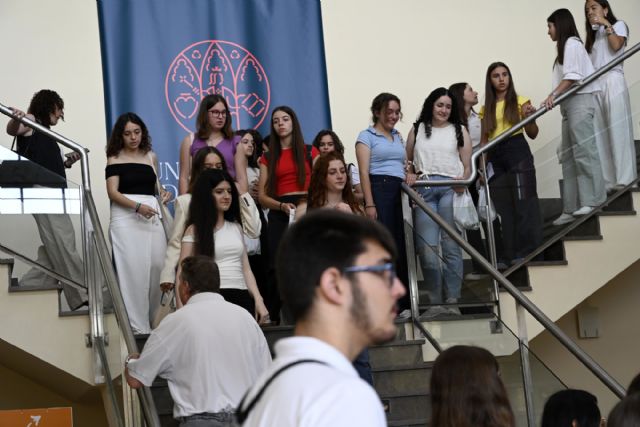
x: 45, y: 417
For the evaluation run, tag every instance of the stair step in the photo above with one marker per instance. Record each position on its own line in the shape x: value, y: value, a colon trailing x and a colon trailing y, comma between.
x: 423, y: 422
x: 578, y: 238
x: 407, y: 353
x: 617, y: 213
x: 546, y: 263
x: 15, y: 287
x: 402, y: 380
x: 399, y: 407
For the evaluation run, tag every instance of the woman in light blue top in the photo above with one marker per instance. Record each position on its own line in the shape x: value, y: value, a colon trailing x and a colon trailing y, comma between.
x: 382, y: 163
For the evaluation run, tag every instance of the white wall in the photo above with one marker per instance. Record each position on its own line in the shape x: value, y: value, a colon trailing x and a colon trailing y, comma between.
x: 407, y: 47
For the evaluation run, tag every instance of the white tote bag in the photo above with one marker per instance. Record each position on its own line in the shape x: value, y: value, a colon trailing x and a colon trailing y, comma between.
x: 483, y: 208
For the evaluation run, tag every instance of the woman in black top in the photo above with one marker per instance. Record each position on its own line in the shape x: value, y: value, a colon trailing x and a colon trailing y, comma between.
x: 136, y: 232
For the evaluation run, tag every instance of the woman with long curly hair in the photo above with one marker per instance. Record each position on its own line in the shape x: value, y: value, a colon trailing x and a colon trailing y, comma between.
x: 214, y: 228
x: 135, y: 218
x: 330, y: 185
x: 439, y: 148
x: 466, y: 390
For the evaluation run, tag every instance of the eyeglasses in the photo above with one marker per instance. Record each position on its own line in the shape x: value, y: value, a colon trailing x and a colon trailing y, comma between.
x: 377, y: 269
x: 218, y: 113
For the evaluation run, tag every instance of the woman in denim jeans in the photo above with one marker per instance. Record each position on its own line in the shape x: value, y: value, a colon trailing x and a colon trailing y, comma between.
x: 439, y: 147
x: 382, y: 161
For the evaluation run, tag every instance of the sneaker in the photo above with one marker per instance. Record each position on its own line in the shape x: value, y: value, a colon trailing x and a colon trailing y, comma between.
x: 501, y: 266
x: 565, y: 218
x: 404, y: 314
x: 475, y: 276
x: 434, y: 311
x: 452, y: 309
x: 585, y: 210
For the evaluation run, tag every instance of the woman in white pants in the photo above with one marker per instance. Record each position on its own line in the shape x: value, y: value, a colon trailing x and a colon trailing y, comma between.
x: 606, y: 40
x: 582, y: 182
x: 137, y: 236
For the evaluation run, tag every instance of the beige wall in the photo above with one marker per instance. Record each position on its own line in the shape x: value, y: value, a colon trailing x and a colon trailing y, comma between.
x: 19, y: 392
x: 407, y: 47
x: 617, y: 348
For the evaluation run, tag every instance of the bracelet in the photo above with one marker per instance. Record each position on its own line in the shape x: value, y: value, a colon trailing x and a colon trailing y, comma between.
x: 369, y: 206
x: 138, y: 207
x: 280, y: 208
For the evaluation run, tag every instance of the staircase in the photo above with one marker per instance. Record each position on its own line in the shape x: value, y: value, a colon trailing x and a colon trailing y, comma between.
x: 44, y: 352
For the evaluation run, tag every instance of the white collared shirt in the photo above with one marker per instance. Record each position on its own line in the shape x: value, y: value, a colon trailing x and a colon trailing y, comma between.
x: 601, y: 51
x: 576, y: 66
x: 474, y: 126
x: 210, y: 352
x: 312, y: 394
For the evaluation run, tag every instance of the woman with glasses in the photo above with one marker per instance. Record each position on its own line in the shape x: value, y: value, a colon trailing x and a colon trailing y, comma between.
x: 135, y: 218
x: 213, y: 129
x: 214, y: 228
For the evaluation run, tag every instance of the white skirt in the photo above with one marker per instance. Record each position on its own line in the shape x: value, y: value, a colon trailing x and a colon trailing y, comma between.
x: 139, y: 245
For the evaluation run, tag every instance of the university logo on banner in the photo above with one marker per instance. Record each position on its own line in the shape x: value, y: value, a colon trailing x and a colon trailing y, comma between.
x: 161, y: 57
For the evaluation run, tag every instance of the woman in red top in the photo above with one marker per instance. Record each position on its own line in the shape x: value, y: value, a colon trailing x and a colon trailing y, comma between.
x: 285, y: 171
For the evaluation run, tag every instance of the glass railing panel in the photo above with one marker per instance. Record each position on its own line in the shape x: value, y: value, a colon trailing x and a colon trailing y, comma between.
x: 490, y: 333
x: 464, y: 289
x: 40, y: 220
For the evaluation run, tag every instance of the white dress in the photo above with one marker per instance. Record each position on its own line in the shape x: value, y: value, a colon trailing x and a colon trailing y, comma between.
x: 614, y: 128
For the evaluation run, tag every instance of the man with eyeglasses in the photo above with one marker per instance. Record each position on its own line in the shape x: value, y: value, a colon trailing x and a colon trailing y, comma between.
x: 336, y: 276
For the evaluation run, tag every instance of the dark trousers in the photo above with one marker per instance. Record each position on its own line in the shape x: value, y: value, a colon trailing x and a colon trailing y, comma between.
x: 474, y: 237
x: 278, y: 223
x: 240, y: 297
x: 363, y: 366
x: 260, y: 262
x: 515, y: 196
x: 386, y: 194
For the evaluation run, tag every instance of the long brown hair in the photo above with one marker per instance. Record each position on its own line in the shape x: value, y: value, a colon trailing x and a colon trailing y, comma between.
x: 566, y: 28
x: 590, y: 32
x: 511, y: 110
x: 318, y: 185
x: 203, y: 128
x: 275, y: 150
x: 466, y: 390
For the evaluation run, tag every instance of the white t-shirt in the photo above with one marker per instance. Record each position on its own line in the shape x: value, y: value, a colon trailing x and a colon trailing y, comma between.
x: 229, y: 248
x: 474, y: 126
x: 576, y: 66
x: 437, y: 155
x: 311, y: 394
x: 601, y: 52
x: 210, y: 352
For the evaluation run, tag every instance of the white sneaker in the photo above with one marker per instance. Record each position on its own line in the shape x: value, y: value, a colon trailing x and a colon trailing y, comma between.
x: 585, y: 210
x: 404, y: 314
x: 565, y: 218
x: 434, y: 311
x: 475, y: 276
x: 452, y: 309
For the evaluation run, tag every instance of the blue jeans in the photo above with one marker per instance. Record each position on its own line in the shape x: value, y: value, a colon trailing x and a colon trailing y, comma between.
x: 429, y: 237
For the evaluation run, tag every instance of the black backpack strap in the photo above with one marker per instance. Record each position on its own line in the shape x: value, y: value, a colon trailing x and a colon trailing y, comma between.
x: 242, y: 414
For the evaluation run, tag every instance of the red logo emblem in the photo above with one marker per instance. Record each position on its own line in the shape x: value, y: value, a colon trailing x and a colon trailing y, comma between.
x: 217, y: 67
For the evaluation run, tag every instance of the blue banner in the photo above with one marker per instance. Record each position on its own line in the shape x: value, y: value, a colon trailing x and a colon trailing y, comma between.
x: 161, y: 57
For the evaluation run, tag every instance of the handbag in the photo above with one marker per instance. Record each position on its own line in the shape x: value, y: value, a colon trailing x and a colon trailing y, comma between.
x: 167, y: 306
x: 464, y: 212
x: 485, y: 208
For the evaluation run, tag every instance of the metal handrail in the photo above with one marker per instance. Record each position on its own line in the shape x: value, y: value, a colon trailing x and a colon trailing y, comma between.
x: 144, y: 394
x: 507, y: 133
x: 525, y: 302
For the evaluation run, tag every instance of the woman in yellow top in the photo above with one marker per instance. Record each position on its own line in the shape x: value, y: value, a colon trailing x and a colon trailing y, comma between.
x: 513, y: 184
